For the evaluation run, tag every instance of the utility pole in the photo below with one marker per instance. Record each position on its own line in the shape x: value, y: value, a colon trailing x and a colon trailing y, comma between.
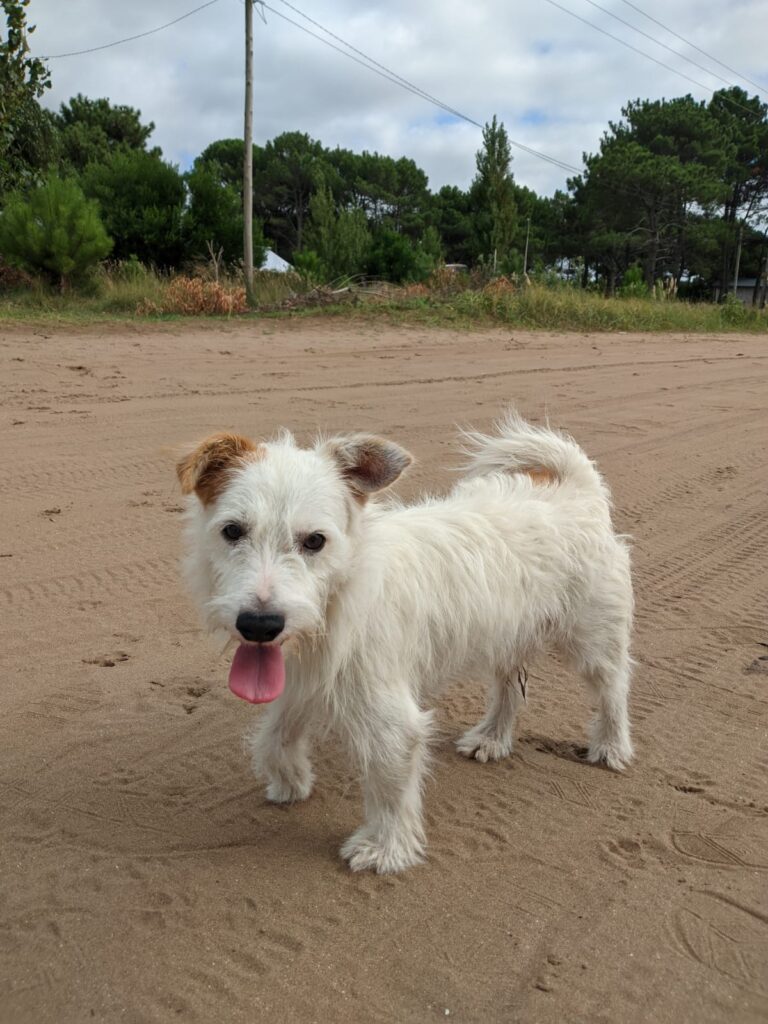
x: 525, y: 258
x: 248, y: 158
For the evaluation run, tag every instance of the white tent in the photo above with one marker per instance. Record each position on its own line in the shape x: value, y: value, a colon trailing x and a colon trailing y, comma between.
x: 276, y: 263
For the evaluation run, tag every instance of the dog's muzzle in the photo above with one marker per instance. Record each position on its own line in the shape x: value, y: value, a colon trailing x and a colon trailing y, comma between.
x: 260, y: 628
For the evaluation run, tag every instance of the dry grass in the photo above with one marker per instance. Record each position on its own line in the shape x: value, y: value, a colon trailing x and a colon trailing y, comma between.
x: 192, y: 296
x: 558, y: 307
x: 130, y: 290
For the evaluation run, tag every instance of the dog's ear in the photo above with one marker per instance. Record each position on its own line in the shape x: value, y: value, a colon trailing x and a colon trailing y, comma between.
x: 367, y: 463
x: 205, y: 470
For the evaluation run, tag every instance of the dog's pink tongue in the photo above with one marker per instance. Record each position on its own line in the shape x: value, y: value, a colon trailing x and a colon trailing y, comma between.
x: 257, y: 674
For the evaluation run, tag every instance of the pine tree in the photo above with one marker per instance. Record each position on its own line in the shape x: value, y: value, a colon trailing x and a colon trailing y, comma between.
x: 494, y: 194
x: 53, y: 230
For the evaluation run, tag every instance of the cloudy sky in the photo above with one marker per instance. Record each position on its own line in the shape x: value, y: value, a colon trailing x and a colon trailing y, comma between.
x: 553, y: 80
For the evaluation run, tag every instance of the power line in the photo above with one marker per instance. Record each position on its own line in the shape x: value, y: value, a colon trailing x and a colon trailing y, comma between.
x: 130, y: 39
x: 391, y: 76
x: 658, y: 42
x: 369, y: 63
x: 635, y: 49
x: 693, y: 46
x: 371, y: 60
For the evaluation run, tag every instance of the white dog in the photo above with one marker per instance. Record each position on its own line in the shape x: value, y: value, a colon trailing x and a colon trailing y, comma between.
x: 353, y: 614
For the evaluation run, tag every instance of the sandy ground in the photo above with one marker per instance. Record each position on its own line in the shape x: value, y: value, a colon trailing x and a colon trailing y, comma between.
x: 143, y: 877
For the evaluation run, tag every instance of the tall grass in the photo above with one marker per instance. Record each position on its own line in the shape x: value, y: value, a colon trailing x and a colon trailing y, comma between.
x: 570, y: 308
x: 564, y: 308
x: 130, y: 290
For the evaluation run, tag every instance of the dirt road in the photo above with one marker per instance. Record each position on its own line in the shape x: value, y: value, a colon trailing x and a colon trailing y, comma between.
x: 143, y: 876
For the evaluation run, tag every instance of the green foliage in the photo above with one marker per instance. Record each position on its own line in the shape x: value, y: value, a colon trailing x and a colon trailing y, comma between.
x: 132, y: 290
x: 666, y: 176
x: 290, y: 169
x: 742, y: 122
x: 494, y: 195
x: 286, y: 172
x: 20, y: 73
x: 392, y: 193
x: 352, y: 243
x: 214, y: 216
x: 394, y: 258
x: 321, y: 226
x: 54, y: 231
x: 453, y: 217
x: 226, y: 156
x: 542, y: 221
x: 431, y: 246
x: 340, y: 240
x: 90, y: 131
x: 633, y: 284
x: 734, y: 312
x: 27, y: 142
x: 572, y: 309
x: 141, y: 200
x: 308, y: 265
x: 675, y: 191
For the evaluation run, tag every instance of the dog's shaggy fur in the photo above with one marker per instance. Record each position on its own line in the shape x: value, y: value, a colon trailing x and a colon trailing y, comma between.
x: 400, y: 602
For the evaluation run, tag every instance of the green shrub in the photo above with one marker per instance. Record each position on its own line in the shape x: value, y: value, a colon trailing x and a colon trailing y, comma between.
x: 395, y: 259
x: 733, y: 311
x: 54, y: 231
x: 341, y: 239
x: 633, y: 284
x: 308, y: 265
x: 213, y: 218
x: 141, y: 200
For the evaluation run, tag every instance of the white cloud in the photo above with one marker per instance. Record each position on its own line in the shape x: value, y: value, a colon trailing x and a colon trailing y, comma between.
x: 554, y: 82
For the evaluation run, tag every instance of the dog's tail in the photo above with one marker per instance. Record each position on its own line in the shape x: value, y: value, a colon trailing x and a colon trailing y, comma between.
x: 520, y: 447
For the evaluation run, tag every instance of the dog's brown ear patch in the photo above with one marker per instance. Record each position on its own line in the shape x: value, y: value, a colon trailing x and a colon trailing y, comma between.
x: 541, y: 475
x: 367, y: 463
x: 206, y: 469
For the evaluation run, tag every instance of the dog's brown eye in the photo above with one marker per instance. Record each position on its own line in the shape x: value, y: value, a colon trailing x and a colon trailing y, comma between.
x: 313, y: 542
x: 232, y: 531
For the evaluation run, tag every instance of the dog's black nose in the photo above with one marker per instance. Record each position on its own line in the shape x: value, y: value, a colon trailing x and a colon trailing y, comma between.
x: 260, y: 628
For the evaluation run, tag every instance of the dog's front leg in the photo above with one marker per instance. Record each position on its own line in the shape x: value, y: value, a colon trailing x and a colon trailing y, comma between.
x: 390, y: 743
x: 279, y: 747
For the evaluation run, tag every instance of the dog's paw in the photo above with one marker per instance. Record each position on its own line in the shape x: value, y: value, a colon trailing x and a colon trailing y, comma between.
x: 289, y: 791
x: 366, y: 851
x: 483, y: 748
x: 614, y: 755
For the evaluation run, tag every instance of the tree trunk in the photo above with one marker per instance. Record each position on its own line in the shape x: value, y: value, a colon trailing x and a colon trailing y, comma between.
x: 761, y: 281
x: 738, y: 261
x: 729, y: 216
x: 651, y: 259
x: 610, y: 283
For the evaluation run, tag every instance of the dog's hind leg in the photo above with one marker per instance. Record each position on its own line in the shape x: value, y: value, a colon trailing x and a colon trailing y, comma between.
x: 599, y: 646
x: 391, y: 744
x: 601, y: 655
x: 494, y: 737
x: 279, y: 747
x: 609, y: 739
